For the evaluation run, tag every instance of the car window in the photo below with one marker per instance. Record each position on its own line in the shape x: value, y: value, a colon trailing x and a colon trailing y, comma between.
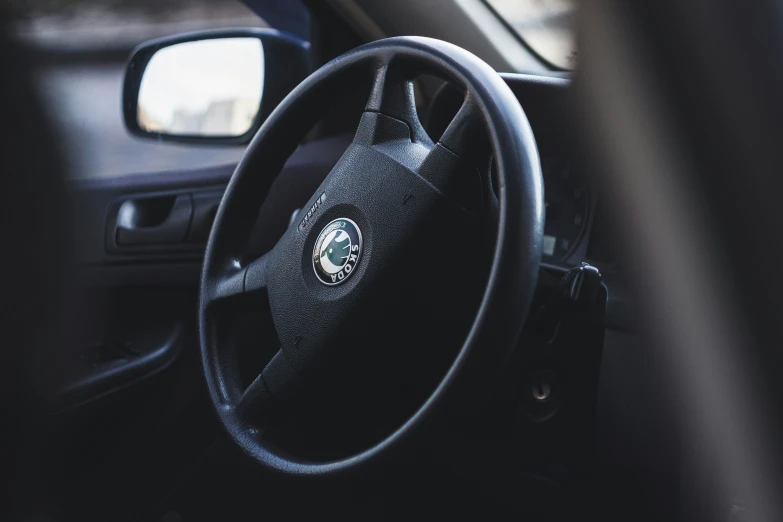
x: 81, y: 47
x: 546, y: 26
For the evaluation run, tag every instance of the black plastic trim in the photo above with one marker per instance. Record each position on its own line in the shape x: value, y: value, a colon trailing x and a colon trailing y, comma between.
x: 157, y: 350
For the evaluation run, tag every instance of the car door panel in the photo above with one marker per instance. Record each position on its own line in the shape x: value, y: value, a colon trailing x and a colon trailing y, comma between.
x: 138, y: 244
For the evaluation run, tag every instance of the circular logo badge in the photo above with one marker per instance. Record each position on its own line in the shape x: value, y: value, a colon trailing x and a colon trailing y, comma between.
x: 337, y: 251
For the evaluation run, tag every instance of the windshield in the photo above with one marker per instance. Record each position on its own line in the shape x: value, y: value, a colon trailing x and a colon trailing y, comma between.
x: 546, y: 26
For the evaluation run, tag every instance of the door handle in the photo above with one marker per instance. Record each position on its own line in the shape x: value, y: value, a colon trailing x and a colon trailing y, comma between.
x: 205, y: 205
x: 154, y: 220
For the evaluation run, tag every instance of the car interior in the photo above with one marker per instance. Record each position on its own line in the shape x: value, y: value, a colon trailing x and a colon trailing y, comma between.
x: 452, y: 275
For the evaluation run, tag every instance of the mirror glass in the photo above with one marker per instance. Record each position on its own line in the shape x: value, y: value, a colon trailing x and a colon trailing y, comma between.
x: 207, y: 88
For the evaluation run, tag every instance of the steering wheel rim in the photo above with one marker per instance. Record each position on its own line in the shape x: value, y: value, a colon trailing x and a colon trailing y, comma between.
x: 391, y: 64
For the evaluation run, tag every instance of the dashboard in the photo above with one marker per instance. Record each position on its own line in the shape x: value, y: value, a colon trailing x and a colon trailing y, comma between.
x: 568, y: 212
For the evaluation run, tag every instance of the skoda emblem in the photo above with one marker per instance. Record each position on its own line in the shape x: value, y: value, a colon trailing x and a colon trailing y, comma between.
x: 337, y: 251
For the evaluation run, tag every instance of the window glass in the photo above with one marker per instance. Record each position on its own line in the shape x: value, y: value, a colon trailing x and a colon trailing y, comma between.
x: 546, y: 26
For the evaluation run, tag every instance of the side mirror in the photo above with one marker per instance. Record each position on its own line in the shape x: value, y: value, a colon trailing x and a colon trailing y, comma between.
x: 210, y: 86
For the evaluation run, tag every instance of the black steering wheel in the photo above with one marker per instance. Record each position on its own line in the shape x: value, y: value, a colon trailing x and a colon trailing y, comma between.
x: 366, y: 225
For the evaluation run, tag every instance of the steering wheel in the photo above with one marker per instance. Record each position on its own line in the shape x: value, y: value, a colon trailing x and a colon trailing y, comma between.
x: 361, y: 224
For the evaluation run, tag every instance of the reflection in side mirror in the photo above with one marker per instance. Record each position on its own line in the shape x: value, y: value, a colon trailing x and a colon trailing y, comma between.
x: 213, y: 86
x: 206, y: 88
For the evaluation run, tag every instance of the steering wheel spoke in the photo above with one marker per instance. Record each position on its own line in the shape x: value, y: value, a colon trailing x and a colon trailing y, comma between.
x: 458, y: 164
x: 454, y: 165
x: 268, y: 393
x: 392, y: 95
x: 465, y: 135
x: 255, y: 402
x: 240, y: 283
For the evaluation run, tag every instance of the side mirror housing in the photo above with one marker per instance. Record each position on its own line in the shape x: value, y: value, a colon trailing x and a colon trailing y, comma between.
x: 213, y: 87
